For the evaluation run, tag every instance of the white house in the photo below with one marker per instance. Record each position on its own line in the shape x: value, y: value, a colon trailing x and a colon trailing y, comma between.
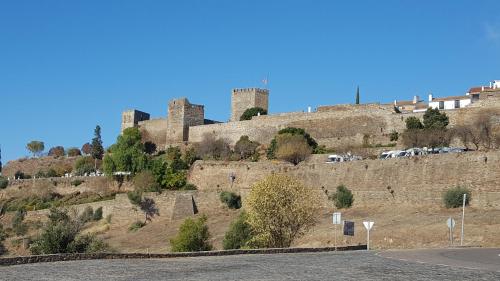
x: 447, y: 103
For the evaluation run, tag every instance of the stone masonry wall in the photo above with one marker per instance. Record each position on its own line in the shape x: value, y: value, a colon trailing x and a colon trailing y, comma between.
x: 155, y: 131
x: 243, y: 99
x: 417, y: 180
x: 331, y: 125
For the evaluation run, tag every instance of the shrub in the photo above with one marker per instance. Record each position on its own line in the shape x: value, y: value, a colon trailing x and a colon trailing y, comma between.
x: 193, y: 236
x: 18, y: 225
x: 56, y: 151
x: 239, y: 233
x: 280, y: 209
x: 453, y: 197
x: 292, y: 148
x: 84, y: 165
x: 97, y: 214
x: 3, y: 182
x: 146, y: 181
x: 73, y: 152
x: 271, y: 150
x: 251, y: 112
x: 343, y: 198
x: 245, y: 148
x: 413, y: 123
x: 232, y: 200
x: 136, y: 225
x: 87, y: 215
x: 213, y: 148
x: 61, y: 235
x: 3, y: 236
x: 394, y: 136
x: 76, y: 182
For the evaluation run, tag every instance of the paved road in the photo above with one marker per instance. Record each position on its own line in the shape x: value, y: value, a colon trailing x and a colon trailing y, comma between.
x: 472, y: 258
x: 312, y: 266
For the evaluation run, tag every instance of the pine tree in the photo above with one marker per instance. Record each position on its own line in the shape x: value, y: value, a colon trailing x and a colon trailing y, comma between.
x: 97, y: 149
x: 357, y: 96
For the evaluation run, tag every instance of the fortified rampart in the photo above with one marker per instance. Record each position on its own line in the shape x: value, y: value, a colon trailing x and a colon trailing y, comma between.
x: 332, y: 126
x: 417, y: 180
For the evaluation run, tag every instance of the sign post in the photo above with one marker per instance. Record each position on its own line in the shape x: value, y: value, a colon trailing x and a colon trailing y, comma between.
x: 368, y: 225
x: 451, y: 225
x: 463, y: 218
x: 337, y: 219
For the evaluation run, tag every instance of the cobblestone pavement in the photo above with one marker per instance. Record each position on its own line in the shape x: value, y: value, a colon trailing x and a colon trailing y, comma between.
x: 360, y: 265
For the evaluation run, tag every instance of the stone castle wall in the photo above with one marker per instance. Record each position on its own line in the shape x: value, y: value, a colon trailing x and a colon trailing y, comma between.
x: 418, y: 180
x: 243, y: 99
x: 155, y: 131
x: 182, y: 115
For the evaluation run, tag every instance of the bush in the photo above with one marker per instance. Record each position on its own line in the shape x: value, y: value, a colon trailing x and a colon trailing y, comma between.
x: 292, y: 148
x: 84, y: 165
x: 280, y: 209
x: 136, y: 225
x: 245, y: 148
x: 271, y: 150
x: 97, y: 214
x: 76, y: 182
x: 73, y: 152
x: 232, y: 200
x: 239, y: 233
x: 251, y: 112
x: 56, y: 151
x: 87, y: 215
x: 3, y: 236
x: 343, y: 198
x: 413, y: 123
x: 394, y: 136
x: 61, y: 235
x: 193, y: 236
x: 146, y: 181
x: 18, y: 225
x: 21, y: 175
x: 3, y: 182
x: 213, y: 148
x: 453, y: 197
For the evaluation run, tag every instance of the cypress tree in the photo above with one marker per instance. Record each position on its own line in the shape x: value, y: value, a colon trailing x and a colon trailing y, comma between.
x: 357, y: 96
x: 97, y: 149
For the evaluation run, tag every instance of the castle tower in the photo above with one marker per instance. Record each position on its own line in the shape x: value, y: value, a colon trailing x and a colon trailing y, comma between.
x: 181, y: 115
x: 131, y: 118
x: 243, y: 99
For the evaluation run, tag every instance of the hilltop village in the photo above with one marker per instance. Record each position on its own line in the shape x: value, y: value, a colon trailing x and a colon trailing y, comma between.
x: 393, y: 163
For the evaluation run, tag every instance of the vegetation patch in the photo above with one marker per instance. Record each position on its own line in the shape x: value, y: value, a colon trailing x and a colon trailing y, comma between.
x: 343, y: 198
x: 193, y: 236
x: 453, y: 197
x: 231, y: 199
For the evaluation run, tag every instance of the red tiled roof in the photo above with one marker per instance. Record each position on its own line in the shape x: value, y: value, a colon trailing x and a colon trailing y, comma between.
x: 479, y: 89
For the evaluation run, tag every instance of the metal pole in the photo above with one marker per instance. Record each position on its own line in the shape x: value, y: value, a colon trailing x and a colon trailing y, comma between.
x: 368, y: 240
x: 463, y: 218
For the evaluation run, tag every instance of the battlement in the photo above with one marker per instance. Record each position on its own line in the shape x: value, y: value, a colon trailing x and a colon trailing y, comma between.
x: 131, y: 118
x: 245, y: 98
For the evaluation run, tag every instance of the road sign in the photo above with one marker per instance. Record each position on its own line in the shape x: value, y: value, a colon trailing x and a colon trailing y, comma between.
x: 368, y: 225
x: 337, y: 218
x: 349, y: 228
x: 450, y: 223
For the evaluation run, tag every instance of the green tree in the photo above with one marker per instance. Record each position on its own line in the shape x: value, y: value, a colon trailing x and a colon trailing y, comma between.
x: 357, y: 95
x: 413, y: 123
x: 280, y: 209
x: 433, y: 119
x: 35, y: 147
x: 97, y: 148
x: 127, y: 154
x: 271, y: 150
x: 239, y: 233
x: 343, y: 198
x: 251, y: 112
x: 193, y: 236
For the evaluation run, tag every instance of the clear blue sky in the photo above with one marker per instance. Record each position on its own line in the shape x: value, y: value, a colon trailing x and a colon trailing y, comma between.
x: 66, y: 66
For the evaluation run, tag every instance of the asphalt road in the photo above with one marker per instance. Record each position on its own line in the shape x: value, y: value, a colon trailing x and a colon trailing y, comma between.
x: 359, y: 265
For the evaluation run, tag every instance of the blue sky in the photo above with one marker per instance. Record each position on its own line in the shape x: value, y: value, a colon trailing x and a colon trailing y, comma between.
x: 66, y: 66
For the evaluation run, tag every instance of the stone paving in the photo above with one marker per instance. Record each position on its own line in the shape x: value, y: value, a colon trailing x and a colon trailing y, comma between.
x: 308, y: 266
